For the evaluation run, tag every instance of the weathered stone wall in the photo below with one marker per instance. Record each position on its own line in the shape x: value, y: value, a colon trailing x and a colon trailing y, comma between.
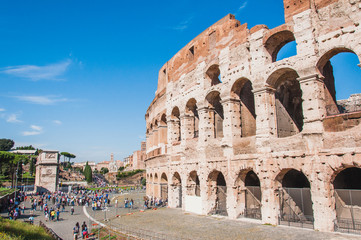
x: 47, y: 172
x: 254, y: 113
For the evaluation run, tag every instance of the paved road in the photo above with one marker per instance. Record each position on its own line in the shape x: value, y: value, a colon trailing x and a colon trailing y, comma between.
x: 176, y: 224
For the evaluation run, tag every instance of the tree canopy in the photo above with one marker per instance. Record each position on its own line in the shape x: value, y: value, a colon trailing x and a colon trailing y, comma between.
x: 6, y: 144
x: 88, y: 173
x: 30, y: 147
x: 104, y: 170
x: 67, y: 155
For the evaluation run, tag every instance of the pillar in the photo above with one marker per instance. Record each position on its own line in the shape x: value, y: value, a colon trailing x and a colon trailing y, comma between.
x: 232, y: 120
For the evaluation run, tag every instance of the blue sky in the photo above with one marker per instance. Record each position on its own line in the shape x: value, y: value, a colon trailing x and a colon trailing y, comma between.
x: 78, y: 76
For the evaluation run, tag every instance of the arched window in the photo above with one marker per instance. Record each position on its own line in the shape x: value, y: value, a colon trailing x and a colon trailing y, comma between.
x: 217, y: 190
x: 192, y: 112
x: 214, y: 74
x: 342, y: 78
x: 216, y: 113
x: 289, y: 112
x: 242, y: 90
x: 278, y: 41
x: 176, y: 131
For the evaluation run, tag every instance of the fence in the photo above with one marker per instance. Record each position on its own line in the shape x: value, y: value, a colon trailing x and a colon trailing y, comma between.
x: 253, y: 202
x: 348, y: 211
x: 296, y: 207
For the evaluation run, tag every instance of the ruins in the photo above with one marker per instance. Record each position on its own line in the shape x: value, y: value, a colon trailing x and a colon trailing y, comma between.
x: 235, y: 131
x: 47, y: 171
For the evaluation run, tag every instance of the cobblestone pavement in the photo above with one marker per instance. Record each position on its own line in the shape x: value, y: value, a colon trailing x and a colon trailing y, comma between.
x: 177, y: 224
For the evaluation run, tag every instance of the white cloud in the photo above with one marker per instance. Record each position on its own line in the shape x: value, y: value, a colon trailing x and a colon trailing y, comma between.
x: 13, y: 118
x: 57, y: 122
x: 2, y: 110
x: 42, y: 100
x: 243, y: 6
x: 36, y: 130
x: 183, y: 25
x: 36, y: 73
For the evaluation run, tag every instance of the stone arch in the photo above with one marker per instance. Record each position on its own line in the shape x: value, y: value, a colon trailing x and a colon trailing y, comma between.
x: 176, y: 125
x: 193, y: 184
x: 217, y: 193
x: 192, y: 118
x: 325, y: 68
x: 347, y: 194
x: 163, y: 130
x: 216, y: 113
x: 288, y: 99
x: 295, y: 197
x: 156, y: 185
x: 248, y: 195
x: 276, y: 41
x: 176, y: 190
x: 164, y: 186
x: 242, y: 90
x: 213, y: 74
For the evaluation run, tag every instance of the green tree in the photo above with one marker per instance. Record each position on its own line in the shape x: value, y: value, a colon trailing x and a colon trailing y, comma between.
x: 6, y: 144
x: 88, y: 173
x: 104, y: 170
x: 30, y: 147
x: 67, y: 155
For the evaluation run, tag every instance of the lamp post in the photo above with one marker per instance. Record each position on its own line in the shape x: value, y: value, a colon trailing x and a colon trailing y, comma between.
x: 16, y: 180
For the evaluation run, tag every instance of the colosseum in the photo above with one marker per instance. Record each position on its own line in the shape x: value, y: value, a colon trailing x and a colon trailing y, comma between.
x: 235, y: 131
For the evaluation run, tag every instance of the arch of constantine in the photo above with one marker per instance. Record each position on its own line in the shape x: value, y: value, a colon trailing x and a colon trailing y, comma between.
x: 234, y: 131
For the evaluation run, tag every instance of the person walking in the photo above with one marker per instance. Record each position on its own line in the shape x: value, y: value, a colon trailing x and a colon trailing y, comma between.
x: 76, y: 231
x: 72, y: 210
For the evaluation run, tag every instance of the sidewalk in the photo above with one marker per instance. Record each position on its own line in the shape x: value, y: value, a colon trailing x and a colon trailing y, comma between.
x: 176, y: 224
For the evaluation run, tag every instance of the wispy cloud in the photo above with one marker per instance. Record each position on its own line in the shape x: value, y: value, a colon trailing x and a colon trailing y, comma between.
x: 36, y: 130
x: 36, y: 73
x: 2, y: 109
x: 57, y: 122
x: 42, y: 100
x: 183, y: 25
x: 13, y: 118
x: 243, y: 6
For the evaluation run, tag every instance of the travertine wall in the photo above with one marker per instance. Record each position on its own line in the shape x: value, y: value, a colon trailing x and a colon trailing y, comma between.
x: 47, y: 172
x: 230, y: 108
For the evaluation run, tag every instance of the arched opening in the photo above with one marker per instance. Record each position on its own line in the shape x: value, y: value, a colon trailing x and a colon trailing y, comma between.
x: 156, y: 185
x: 163, y: 129
x: 242, y: 90
x: 213, y: 73
x: 176, y: 128
x: 164, y: 187
x: 295, y: 199
x: 347, y: 185
x: 216, y: 113
x: 192, y: 112
x: 248, y: 195
x: 288, y: 50
x: 193, y: 185
x: 177, y: 190
x: 279, y: 41
x: 288, y: 99
x: 217, y: 193
x: 342, y: 78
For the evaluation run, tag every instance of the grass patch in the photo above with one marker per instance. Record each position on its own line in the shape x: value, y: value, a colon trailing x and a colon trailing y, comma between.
x: 128, y: 173
x: 4, y: 191
x: 18, y: 230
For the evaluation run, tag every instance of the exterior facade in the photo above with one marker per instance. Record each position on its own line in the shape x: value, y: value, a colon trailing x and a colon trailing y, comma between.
x: 234, y: 131
x: 47, y: 171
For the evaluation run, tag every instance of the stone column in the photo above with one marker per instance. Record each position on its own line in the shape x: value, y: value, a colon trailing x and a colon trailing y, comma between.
x: 187, y: 124
x: 206, y: 127
x: 270, y: 202
x: 173, y: 131
x: 313, y: 104
x: 232, y: 120
x: 266, y: 121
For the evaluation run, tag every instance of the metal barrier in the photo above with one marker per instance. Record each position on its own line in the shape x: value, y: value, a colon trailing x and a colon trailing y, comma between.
x: 296, y: 207
x: 253, y: 202
x: 348, y: 211
x: 50, y: 231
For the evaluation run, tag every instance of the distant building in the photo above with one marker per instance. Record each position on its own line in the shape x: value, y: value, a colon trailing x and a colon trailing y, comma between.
x: 82, y: 165
x: 23, y: 152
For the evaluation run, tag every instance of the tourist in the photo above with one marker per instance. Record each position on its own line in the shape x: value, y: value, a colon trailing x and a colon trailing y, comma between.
x: 72, y: 210
x: 76, y: 231
x: 57, y: 214
x: 31, y: 219
x: 84, y: 230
